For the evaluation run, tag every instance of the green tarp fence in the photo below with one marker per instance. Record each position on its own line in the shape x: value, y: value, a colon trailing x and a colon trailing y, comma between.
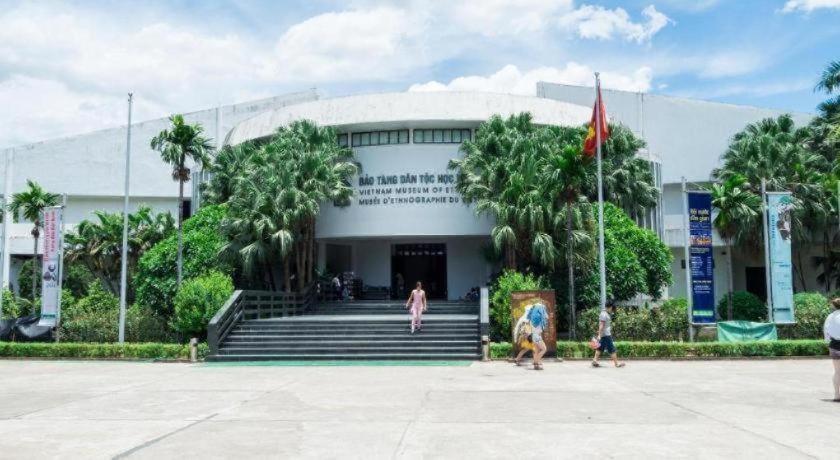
x: 745, y: 331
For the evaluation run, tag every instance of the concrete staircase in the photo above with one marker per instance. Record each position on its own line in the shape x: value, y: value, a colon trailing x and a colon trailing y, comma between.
x: 357, y: 330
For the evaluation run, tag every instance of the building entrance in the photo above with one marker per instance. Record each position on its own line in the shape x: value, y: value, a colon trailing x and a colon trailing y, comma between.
x: 419, y: 262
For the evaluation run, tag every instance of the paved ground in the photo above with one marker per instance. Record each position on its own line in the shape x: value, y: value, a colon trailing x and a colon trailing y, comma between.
x: 718, y: 409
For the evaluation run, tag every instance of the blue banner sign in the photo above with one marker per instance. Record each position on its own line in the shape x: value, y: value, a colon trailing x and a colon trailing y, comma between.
x: 700, y: 258
x: 779, y: 207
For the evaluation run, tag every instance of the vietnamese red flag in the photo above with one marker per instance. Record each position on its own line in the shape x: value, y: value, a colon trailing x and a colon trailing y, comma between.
x: 589, y: 144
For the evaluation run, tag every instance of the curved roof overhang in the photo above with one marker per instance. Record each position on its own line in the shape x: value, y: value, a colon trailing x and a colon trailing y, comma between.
x: 410, y: 109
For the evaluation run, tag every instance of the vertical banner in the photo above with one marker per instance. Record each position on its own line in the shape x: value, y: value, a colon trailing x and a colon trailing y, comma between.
x: 50, y: 291
x: 700, y: 261
x: 779, y: 206
x: 522, y: 300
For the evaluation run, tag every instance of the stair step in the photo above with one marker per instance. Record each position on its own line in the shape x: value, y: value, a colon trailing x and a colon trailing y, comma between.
x: 338, y: 343
x: 346, y: 350
x: 347, y: 356
x: 397, y: 328
x: 401, y: 336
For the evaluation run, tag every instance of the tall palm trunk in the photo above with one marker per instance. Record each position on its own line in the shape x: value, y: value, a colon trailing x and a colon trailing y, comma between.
x: 570, y: 259
x: 287, y: 276
x: 510, y: 256
x: 311, y: 272
x: 828, y: 265
x: 300, y: 263
x: 35, y: 271
x: 180, y: 227
x: 729, y: 308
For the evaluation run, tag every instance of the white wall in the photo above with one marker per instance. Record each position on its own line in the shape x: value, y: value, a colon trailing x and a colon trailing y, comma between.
x: 407, y: 219
x: 373, y: 262
x: 93, y: 164
x: 688, y: 135
x: 465, y: 265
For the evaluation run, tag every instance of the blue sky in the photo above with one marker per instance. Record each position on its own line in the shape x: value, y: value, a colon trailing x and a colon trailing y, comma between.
x: 65, y: 67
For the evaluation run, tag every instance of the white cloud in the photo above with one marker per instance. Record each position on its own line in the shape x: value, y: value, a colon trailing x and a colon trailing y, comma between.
x: 505, y: 17
x: 809, y: 5
x: 361, y: 44
x: 728, y: 64
x: 510, y: 79
x: 48, y: 109
x: 597, y: 22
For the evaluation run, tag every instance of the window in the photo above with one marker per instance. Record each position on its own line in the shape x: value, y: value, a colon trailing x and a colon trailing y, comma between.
x: 380, y: 138
x: 342, y: 140
x: 441, y: 136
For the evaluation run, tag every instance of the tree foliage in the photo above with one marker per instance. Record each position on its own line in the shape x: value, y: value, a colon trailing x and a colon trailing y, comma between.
x: 275, y: 200
x: 30, y: 204
x: 97, y: 245
x: 198, y: 300
x: 178, y: 145
x: 155, y: 279
x: 501, y: 323
x: 524, y: 176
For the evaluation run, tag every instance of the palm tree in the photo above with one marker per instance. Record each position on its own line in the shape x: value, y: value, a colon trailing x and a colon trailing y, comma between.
x: 569, y: 172
x: 98, y: 244
x: 776, y: 151
x: 181, y: 143
x: 496, y: 170
x: 226, y: 168
x: 830, y: 78
x: 31, y: 203
x: 736, y: 206
x: 277, y: 197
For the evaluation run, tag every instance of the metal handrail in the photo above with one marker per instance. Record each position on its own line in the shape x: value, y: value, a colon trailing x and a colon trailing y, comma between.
x: 224, y: 320
x: 246, y: 305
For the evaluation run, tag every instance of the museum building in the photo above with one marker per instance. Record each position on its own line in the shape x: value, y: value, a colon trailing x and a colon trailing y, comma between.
x: 405, y: 217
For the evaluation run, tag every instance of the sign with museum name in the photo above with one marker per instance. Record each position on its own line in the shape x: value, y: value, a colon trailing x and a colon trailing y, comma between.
x: 426, y: 188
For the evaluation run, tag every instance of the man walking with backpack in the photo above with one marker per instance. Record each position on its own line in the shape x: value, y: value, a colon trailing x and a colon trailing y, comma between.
x: 605, y: 339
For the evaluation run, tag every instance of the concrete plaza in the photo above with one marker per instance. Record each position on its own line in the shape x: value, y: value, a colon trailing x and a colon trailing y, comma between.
x: 650, y: 409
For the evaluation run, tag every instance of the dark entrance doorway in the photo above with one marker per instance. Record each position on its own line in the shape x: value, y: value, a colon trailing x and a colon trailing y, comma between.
x: 757, y: 282
x: 419, y: 262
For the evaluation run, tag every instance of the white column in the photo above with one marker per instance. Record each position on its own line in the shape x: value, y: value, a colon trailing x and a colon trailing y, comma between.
x: 7, y: 195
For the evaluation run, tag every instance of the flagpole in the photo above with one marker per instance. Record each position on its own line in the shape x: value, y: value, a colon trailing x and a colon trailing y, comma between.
x: 601, y: 253
x: 124, y: 254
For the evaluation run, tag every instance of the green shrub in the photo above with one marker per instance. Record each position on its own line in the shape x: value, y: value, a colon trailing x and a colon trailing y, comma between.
x: 98, y: 350
x: 142, y: 324
x: 510, y: 281
x: 198, y: 300
x: 625, y: 275
x: 653, y: 256
x: 810, y: 310
x: 14, y: 306
x: 24, y: 280
x: 93, y: 318
x: 156, y: 276
x: 745, y: 306
x: 76, y: 279
x: 780, y: 348
x: 668, y: 322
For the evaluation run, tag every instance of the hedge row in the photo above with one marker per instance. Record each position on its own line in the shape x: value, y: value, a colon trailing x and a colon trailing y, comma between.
x: 167, y: 351
x: 685, y: 349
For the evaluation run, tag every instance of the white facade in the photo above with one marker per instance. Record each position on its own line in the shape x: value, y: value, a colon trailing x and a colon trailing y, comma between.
x: 89, y: 168
x: 404, y: 193
x: 688, y: 137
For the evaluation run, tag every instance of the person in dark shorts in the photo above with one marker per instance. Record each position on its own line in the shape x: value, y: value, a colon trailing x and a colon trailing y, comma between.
x: 831, y: 331
x: 605, y: 338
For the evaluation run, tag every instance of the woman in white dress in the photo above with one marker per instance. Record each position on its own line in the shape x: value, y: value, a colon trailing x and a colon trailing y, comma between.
x: 831, y: 331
